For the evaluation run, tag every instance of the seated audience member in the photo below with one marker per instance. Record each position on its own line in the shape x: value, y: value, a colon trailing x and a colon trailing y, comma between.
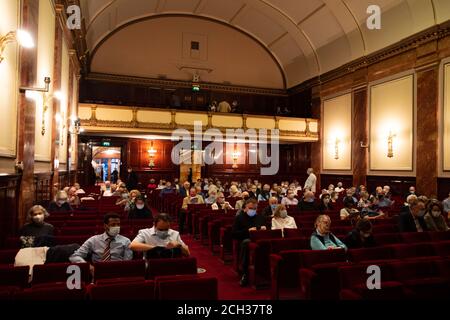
x: 411, y: 191
x: 330, y: 189
x: 322, y: 238
x: 108, y: 192
x: 78, y: 188
x: 184, y: 191
x: 160, y: 240
x: 221, y: 203
x: 140, y: 210
x: 130, y: 203
x: 161, y: 185
x: 349, y: 212
x: 387, y: 192
x: 122, y: 193
x: 281, y: 219
x: 325, y: 203
x: 240, y: 203
x: 334, y: 197
x: 109, y: 246
x: 411, y: 219
x: 290, y: 199
x: 307, y: 203
x: 245, y: 222
x: 234, y: 192
x: 60, y: 204
x: 339, y: 188
x: 152, y: 185
x: 350, y: 193
x: 265, y: 193
x: 366, y: 207
x: 297, y: 186
x: 168, y: 189
x: 434, y: 217
x: 253, y: 193
x: 446, y: 206
x: 192, y: 198
x: 73, y: 198
x: 361, y: 236
x: 270, y: 209
x: 200, y: 192
x: 212, y: 196
x: 36, y: 232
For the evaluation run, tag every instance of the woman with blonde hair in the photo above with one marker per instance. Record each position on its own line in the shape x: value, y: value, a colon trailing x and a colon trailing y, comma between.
x: 36, y: 232
x: 281, y: 219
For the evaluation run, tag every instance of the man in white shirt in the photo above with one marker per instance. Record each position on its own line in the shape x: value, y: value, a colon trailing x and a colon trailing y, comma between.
x: 159, y: 236
x: 339, y: 188
x: 310, y: 183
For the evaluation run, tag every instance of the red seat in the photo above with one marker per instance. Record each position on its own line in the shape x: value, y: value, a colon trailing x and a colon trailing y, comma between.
x: 355, y: 277
x: 371, y: 254
x: 8, y: 256
x: 14, y: 276
x: 119, y: 269
x: 442, y: 248
x: 181, y: 289
x: 175, y: 266
x: 57, y: 272
x: 414, y: 237
x: 440, y: 236
x: 413, y: 250
x: 80, y: 239
x: 135, y: 290
x: 265, y: 234
x: 388, y: 238
x: 51, y: 293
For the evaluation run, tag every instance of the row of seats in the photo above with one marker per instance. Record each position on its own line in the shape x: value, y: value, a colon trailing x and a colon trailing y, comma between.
x: 316, y: 274
x: 186, y: 287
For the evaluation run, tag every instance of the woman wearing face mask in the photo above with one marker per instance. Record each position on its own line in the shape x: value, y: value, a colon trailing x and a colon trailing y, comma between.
x: 434, y: 217
x: 130, y: 202
x: 60, y: 204
x: 325, y: 203
x: 361, y: 236
x: 281, y: 220
x: 37, y: 233
x: 140, y: 210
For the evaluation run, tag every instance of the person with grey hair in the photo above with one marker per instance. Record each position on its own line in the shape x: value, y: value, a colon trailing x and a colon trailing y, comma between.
x: 36, y: 232
x: 310, y: 183
x: 61, y: 203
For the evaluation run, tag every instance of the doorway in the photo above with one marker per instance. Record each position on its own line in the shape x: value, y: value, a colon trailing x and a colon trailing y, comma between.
x: 108, y: 161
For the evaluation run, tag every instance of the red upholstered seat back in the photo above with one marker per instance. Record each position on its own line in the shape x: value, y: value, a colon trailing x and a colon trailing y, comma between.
x: 119, y: 269
x: 176, y: 266
x: 57, y: 272
x: 195, y: 288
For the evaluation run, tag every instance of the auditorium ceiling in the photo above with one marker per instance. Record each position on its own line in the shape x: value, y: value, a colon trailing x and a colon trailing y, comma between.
x: 291, y: 40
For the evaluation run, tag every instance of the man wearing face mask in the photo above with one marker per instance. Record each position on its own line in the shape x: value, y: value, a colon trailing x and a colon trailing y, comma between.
x: 245, y: 222
x: 412, y: 218
x: 434, y: 218
x: 60, y: 204
x: 361, y: 236
x: 265, y: 193
x: 36, y: 232
x: 308, y: 202
x: 159, y: 238
x: 270, y: 209
x: 322, y: 238
x: 109, y: 246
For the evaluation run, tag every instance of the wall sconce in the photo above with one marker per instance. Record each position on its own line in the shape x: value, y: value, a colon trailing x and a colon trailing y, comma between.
x: 336, y: 148
x: 235, y: 156
x: 75, y: 125
x: 390, y: 141
x: 22, y: 37
x: 151, y: 153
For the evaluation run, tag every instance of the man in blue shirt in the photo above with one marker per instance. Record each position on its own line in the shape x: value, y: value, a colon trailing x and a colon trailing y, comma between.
x: 109, y: 246
x: 322, y: 238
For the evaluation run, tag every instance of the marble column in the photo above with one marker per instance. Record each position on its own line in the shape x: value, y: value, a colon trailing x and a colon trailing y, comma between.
x: 360, y: 135
x: 27, y: 109
x: 427, y: 130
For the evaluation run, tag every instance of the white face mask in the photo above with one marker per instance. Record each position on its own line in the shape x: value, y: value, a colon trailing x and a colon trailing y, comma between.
x: 113, y: 231
x: 39, y: 219
x: 283, y: 214
x: 61, y: 202
x: 436, y: 213
x: 140, y: 206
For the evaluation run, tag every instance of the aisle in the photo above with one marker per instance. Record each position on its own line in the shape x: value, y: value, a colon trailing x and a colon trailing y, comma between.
x: 229, y: 288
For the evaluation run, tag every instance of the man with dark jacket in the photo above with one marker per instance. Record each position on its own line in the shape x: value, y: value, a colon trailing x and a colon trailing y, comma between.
x: 245, y: 222
x: 270, y: 209
x: 132, y: 179
x: 307, y: 203
x: 411, y: 219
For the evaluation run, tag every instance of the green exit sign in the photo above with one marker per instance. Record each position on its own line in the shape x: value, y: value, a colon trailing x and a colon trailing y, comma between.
x: 106, y: 144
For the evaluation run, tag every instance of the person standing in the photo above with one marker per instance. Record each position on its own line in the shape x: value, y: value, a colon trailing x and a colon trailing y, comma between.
x: 310, y: 183
x: 132, y: 179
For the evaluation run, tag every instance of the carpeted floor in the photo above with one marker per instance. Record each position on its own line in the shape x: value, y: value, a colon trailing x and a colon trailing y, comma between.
x: 229, y: 288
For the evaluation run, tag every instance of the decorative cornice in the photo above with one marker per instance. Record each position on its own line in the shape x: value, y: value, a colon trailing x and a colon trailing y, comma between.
x: 182, y: 84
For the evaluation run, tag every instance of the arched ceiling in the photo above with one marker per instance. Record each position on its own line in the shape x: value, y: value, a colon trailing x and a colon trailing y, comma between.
x: 306, y: 37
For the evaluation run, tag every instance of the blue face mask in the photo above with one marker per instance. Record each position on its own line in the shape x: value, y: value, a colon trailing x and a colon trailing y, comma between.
x: 274, y: 206
x: 310, y: 200
x: 251, y: 212
x: 162, y: 234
